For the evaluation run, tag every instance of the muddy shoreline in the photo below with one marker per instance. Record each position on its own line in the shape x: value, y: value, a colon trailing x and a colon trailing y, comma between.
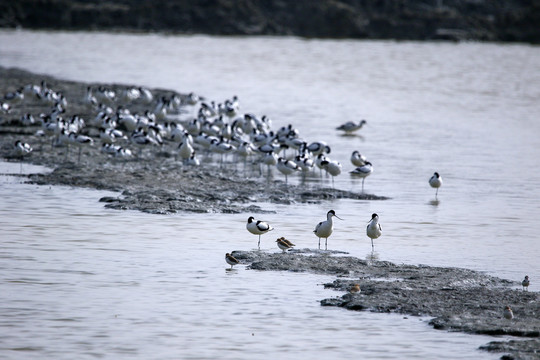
x: 154, y: 181
x: 456, y: 299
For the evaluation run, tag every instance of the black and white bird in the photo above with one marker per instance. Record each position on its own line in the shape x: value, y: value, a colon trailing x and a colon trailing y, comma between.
x: 286, y: 167
x: 363, y: 172
x: 435, y: 181
x: 325, y: 228
x: 21, y: 149
x: 258, y: 227
x: 374, y: 229
x: 525, y: 283
x: 358, y: 159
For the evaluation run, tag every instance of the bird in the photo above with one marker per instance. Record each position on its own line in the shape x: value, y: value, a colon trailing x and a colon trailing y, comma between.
x: 358, y: 159
x: 363, y: 172
x: 508, y: 314
x: 435, y: 181
x: 258, y: 227
x: 287, y: 167
x: 332, y: 167
x: 354, y: 288
x: 80, y: 140
x: 525, y: 283
x: 324, y: 228
x: 286, y: 241
x: 284, y: 244
x: 21, y: 149
x: 231, y: 260
x: 374, y: 229
x: 350, y: 126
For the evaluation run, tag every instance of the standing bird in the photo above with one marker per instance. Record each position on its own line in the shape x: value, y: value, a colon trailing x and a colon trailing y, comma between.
x: 525, y: 283
x: 231, y: 260
x: 324, y: 228
x: 21, y: 149
x: 287, y: 167
x: 354, y: 288
x: 358, y: 159
x: 374, y: 229
x: 350, y: 126
x: 363, y: 172
x: 332, y: 167
x: 258, y: 227
x: 435, y: 181
x: 284, y: 244
x: 508, y: 314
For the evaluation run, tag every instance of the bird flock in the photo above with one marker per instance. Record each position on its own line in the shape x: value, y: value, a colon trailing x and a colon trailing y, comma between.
x: 322, y: 230
x: 127, y: 122
x: 189, y: 126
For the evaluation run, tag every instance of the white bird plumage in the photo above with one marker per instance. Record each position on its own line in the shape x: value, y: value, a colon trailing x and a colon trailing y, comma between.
x: 374, y: 229
x: 258, y: 227
x: 435, y: 181
x: 363, y: 172
x: 325, y: 228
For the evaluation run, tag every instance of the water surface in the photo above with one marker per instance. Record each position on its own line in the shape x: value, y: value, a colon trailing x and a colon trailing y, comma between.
x: 466, y: 110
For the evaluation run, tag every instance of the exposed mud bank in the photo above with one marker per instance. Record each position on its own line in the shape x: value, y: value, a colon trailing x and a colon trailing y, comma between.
x: 456, y: 299
x: 154, y: 179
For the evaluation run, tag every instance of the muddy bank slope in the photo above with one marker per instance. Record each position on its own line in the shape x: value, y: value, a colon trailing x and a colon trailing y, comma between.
x: 456, y: 299
x: 153, y: 179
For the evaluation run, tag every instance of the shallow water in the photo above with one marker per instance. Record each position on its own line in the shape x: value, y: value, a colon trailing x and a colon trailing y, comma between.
x: 467, y: 110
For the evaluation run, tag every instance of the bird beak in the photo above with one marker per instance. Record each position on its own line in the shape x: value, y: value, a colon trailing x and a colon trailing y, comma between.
x: 338, y: 217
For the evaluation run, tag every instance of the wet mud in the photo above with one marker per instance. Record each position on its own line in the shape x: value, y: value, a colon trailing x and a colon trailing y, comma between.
x: 455, y: 299
x: 154, y: 179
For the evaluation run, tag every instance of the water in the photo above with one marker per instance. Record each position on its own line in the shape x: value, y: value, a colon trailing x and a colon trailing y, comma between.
x: 80, y: 279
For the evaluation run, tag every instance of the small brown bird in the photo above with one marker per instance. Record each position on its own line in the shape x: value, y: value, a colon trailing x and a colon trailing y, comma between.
x: 508, y: 314
x: 231, y: 260
x: 355, y: 288
x: 525, y: 283
x: 284, y: 244
x: 287, y: 241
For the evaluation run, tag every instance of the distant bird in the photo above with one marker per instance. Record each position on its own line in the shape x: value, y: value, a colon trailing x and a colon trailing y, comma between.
x: 15, y: 97
x: 284, y: 244
x: 358, y: 159
x: 258, y: 227
x: 435, y: 181
x: 355, y: 288
x: 318, y: 147
x: 508, y: 314
x: 21, y: 149
x: 80, y: 141
x: 5, y: 107
x: 350, y: 126
x: 363, y: 172
x: 287, y: 167
x: 325, y: 228
x: 231, y: 260
x: 332, y: 167
x: 374, y: 229
x: 525, y: 283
